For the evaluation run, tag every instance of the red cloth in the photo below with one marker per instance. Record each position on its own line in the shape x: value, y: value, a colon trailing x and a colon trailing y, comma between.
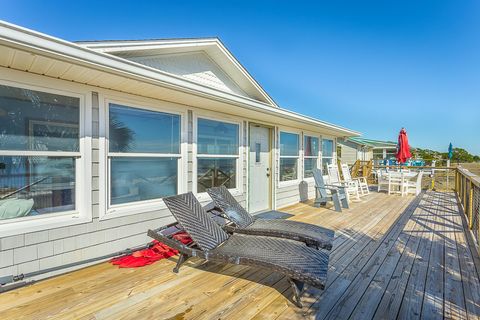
x: 157, y: 251
x: 403, y: 152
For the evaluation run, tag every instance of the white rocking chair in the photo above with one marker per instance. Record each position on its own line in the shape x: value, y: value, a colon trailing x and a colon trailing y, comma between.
x: 361, y: 181
x: 351, y: 188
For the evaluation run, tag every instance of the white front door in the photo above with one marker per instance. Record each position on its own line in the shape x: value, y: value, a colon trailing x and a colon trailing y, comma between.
x: 259, y: 169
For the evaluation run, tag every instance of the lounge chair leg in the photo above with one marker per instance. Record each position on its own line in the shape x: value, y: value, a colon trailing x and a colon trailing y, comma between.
x: 297, y: 288
x: 336, y: 201
x: 181, y: 259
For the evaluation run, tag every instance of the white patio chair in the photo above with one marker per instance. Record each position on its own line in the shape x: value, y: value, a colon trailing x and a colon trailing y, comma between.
x: 361, y: 181
x: 382, y: 180
x: 351, y: 188
x: 396, y: 183
x: 414, y: 187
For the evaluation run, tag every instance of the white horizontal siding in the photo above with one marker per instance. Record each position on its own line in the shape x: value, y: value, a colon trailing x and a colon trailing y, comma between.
x: 25, y: 253
x: 55, y: 247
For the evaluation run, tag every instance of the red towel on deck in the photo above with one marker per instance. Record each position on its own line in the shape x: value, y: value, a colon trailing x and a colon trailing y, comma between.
x: 155, y: 252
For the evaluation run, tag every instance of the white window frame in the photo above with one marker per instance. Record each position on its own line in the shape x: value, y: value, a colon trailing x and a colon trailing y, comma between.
x: 318, y: 156
x: 334, y: 146
x: 108, y: 211
x: 238, y: 190
x: 298, y: 157
x: 82, y: 212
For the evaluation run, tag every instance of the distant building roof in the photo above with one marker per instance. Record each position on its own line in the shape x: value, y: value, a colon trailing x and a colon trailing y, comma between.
x: 373, y: 143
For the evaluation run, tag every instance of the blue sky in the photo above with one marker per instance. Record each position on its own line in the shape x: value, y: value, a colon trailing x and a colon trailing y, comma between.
x: 373, y: 66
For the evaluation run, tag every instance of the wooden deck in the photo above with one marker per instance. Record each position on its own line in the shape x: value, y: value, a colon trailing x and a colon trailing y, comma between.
x: 393, y: 257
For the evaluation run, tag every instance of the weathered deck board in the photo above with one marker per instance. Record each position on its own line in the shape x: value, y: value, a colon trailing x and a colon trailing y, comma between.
x: 393, y: 257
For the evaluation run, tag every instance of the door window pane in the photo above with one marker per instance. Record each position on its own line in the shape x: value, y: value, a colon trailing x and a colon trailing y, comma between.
x: 216, y: 137
x: 143, y: 131
x: 327, y: 147
x: 288, y: 144
x: 215, y: 172
x: 36, y: 185
x: 310, y: 146
x: 40, y: 121
x: 309, y: 165
x: 137, y: 179
x: 288, y: 169
x: 258, y: 148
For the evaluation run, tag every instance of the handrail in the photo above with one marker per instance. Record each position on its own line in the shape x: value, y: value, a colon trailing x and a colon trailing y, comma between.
x: 467, y: 187
x: 414, y: 167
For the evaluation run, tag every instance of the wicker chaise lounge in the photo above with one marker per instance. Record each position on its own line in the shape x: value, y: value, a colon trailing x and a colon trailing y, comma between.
x: 299, y: 263
x: 243, y: 222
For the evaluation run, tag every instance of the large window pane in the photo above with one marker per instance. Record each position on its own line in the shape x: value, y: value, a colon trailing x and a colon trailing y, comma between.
x: 288, y: 169
x: 36, y: 185
x: 327, y: 147
x: 215, y: 172
x: 288, y: 144
x: 215, y: 137
x: 137, y: 179
x: 33, y: 120
x: 309, y: 165
x: 143, y: 131
x: 310, y: 146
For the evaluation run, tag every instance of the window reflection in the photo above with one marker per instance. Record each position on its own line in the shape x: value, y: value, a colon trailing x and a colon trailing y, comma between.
x: 40, y: 121
x: 288, y: 169
x: 215, y: 172
x: 31, y: 186
x: 216, y: 137
x: 288, y: 144
x: 138, y: 179
x: 143, y: 131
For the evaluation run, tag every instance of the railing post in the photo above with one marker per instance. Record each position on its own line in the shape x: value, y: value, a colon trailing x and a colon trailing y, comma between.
x: 470, y: 206
x: 456, y: 181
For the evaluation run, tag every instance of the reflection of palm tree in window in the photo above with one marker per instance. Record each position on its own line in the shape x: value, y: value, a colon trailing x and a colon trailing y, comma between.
x: 122, y: 138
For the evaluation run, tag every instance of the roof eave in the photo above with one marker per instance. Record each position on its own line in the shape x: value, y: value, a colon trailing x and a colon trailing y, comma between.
x: 23, y: 38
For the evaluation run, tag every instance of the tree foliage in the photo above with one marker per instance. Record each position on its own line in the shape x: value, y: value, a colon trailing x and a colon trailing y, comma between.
x: 459, y: 155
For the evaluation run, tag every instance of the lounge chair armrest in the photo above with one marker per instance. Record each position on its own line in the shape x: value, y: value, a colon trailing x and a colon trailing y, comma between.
x: 169, y: 241
x: 327, y: 188
x: 335, y: 186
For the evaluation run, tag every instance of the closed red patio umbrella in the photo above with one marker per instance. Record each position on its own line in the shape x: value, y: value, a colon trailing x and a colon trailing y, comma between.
x: 403, y: 149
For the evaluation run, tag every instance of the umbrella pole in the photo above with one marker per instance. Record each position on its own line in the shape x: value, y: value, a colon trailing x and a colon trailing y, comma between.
x: 448, y: 170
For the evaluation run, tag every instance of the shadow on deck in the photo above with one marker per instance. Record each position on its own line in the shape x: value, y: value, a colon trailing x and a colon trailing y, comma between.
x: 393, y: 257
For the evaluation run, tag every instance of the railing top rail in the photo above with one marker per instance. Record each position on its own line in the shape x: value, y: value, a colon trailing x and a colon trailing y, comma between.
x: 415, y: 167
x: 471, y: 176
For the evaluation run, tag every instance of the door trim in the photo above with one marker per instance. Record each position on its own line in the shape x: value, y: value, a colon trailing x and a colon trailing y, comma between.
x: 271, y: 136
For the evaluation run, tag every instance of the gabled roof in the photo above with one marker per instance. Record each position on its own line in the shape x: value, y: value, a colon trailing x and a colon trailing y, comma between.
x: 373, y: 143
x: 136, y: 50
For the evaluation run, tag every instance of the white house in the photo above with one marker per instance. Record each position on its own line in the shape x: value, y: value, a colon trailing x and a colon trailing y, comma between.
x: 94, y: 134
